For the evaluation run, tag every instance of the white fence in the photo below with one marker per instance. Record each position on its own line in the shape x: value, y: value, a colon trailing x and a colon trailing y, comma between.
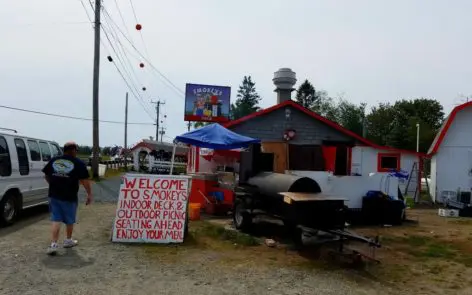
x: 163, y: 167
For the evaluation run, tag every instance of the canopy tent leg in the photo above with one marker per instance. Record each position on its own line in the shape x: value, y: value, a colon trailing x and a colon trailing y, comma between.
x: 173, y: 159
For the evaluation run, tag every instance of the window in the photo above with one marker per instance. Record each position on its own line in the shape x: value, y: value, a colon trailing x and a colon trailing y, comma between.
x: 35, y: 154
x: 45, y: 151
x: 388, y: 162
x: 5, y: 161
x: 306, y: 158
x: 23, y: 161
x: 56, y: 151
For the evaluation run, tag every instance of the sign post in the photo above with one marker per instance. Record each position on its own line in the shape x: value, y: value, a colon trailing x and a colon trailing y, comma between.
x: 152, y: 209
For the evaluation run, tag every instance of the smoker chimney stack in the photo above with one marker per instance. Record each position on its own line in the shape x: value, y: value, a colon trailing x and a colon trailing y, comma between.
x: 284, y: 80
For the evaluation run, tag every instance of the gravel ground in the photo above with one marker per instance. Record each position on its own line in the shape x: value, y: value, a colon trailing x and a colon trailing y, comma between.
x: 98, y: 266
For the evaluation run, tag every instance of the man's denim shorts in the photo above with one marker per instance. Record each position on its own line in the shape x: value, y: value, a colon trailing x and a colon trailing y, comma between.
x: 62, y: 211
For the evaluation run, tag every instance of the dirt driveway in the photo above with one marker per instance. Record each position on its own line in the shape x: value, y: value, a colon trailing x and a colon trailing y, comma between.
x: 98, y: 266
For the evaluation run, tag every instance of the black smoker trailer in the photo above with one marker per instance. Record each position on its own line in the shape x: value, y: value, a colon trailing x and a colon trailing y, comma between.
x: 297, y: 201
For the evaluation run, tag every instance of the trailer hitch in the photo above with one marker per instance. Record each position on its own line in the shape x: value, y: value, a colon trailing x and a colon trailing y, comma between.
x: 351, y: 236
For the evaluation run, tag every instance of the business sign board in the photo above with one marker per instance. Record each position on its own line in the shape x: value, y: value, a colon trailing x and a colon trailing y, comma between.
x: 151, y: 209
x: 207, y: 103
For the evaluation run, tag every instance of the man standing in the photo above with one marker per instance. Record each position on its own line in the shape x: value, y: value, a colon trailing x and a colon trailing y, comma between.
x: 63, y: 174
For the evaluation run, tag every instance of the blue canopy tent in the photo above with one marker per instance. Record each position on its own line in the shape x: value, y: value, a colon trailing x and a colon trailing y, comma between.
x: 214, y: 136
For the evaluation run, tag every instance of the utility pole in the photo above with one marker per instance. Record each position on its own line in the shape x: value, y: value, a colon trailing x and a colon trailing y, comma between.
x: 161, y: 133
x: 158, y: 105
x: 126, y: 132
x: 417, y: 137
x: 364, y: 127
x: 95, y: 104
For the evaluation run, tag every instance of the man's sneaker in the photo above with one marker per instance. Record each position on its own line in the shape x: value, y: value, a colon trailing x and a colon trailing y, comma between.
x: 52, y: 249
x: 70, y: 243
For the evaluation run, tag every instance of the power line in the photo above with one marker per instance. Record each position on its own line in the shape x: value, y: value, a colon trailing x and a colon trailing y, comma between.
x: 136, y: 96
x: 86, y: 11
x: 174, y: 87
x: 68, y: 117
x: 122, y: 52
x: 131, y: 89
x: 140, y: 32
x: 122, y: 18
x: 49, y: 24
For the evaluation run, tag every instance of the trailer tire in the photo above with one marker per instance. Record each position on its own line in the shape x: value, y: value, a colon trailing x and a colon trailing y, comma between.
x: 297, y: 237
x: 241, y: 219
x: 295, y: 233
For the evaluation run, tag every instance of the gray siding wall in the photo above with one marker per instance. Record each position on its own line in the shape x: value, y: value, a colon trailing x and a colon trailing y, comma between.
x: 271, y: 126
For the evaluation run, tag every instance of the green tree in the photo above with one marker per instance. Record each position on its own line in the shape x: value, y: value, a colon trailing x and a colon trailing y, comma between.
x: 306, y: 95
x: 351, y: 116
x: 247, y: 99
x: 199, y: 124
x: 379, y: 123
x: 395, y: 125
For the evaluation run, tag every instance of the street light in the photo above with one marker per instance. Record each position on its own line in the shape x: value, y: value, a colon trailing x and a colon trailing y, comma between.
x: 417, y: 137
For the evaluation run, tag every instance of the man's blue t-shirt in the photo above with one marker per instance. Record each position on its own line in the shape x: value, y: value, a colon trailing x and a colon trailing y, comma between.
x: 64, y: 173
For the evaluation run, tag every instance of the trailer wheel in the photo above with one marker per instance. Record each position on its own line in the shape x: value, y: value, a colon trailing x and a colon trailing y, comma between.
x: 295, y: 233
x: 297, y: 237
x: 241, y: 219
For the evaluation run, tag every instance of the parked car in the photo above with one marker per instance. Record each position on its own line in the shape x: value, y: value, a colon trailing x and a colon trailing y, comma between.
x: 22, y: 183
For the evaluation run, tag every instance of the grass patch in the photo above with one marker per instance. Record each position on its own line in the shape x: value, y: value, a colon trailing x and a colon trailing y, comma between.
x: 410, y: 202
x: 439, y: 251
x: 110, y: 172
x: 462, y: 221
x: 416, y: 241
x: 114, y: 172
x: 210, y: 230
x: 422, y: 247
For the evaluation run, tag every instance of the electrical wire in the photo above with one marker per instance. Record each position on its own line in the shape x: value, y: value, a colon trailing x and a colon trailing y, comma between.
x: 176, y: 89
x: 130, y: 88
x: 108, y: 20
x: 136, y: 96
x: 49, y: 24
x: 123, y: 50
x: 68, y: 117
x: 86, y: 11
x: 140, y: 32
x: 122, y: 18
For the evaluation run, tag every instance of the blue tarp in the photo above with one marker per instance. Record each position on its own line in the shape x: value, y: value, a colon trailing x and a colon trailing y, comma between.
x: 216, y: 137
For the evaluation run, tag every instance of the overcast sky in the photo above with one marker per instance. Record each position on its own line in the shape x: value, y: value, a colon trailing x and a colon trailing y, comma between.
x: 367, y: 50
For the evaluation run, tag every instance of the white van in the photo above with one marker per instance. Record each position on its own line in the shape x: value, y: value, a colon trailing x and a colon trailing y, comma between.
x: 22, y: 183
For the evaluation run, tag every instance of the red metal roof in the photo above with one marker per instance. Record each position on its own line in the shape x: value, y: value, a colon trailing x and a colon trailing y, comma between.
x: 445, y: 127
x: 316, y: 116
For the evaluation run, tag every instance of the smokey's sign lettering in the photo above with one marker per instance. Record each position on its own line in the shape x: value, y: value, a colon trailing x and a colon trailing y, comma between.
x: 151, y: 209
x: 210, y: 90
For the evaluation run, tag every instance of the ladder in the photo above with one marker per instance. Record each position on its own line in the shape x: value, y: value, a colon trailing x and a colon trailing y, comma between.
x: 413, y: 179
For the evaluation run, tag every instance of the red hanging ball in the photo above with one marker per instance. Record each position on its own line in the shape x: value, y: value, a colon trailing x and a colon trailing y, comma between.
x: 139, y: 27
x: 141, y: 65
